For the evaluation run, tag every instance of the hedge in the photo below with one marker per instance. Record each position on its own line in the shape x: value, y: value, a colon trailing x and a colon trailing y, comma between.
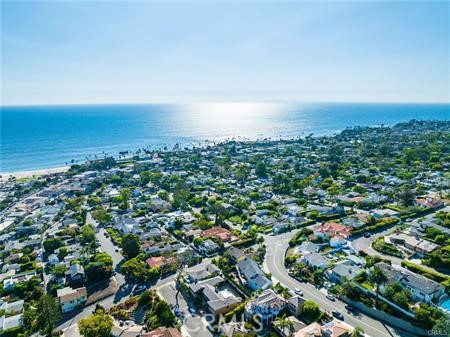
x: 244, y: 242
x: 386, y: 248
x: 431, y: 274
x: 236, y: 311
x: 379, y: 226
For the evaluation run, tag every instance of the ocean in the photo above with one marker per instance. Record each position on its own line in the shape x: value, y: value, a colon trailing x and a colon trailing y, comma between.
x: 39, y: 137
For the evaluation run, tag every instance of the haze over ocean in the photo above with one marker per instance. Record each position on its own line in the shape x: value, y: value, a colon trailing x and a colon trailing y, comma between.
x: 38, y: 137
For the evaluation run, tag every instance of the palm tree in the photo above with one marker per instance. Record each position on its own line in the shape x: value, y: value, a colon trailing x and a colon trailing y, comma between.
x: 283, y: 324
x: 357, y: 332
x: 346, y: 286
x: 378, y: 277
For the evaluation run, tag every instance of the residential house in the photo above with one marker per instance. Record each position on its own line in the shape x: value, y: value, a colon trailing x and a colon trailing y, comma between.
x: 163, y: 332
x: 333, y: 328
x: 75, y: 275
x: 232, y: 329
x: 422, y: 288
x: 235, y: 254
x: 209, y: 247
x: 331, y: 229
x: 12, y: 307
x: 429, y: 202
x: 203, y: 272
x: 163, y: 263
x: 53, y: 259
x: 280, y: 227
x: 288, y: 331
x: 384, y: 213
x: 185, y: 254
x: 10, y: 322
x: 420, y: 246
x: 315, y: 261
x: 353, y: 222
x: 11, y: 282
x: 295, y: 305
x: 220, y: 233
x: 337, y: 242
x: 69, y: 299
x: 344, y: 270
x: 216, y: 295
x: 126, y: 224
x: 266, y: 306
x: 308, y: 247
x: 253, y: 275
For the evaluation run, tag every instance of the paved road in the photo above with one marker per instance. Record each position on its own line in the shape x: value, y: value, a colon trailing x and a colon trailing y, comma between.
x: 107, y: 303
x: 365, y: 244
x: 108, y: 247
x: 193, y: 325
x: 274, y: 263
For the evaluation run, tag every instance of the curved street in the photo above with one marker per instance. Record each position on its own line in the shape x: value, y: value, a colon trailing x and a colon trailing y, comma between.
x: 274, y: 264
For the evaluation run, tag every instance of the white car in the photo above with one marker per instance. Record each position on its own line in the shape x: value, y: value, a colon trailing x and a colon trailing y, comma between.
x: 331, y: 297
x: 298, y: 291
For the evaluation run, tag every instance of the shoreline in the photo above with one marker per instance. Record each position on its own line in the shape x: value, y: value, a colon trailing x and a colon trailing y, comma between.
x: 33, y: 173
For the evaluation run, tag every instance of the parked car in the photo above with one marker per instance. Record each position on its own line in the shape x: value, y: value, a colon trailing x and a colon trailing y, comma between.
x: 331, y: 297
x: 298, y: 291
x: 337, y: 314
x: 350, y: 308
x: 367, y: 235
x: 139, y: 289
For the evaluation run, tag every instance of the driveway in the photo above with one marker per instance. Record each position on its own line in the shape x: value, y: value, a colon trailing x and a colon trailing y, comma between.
x: 193, y: 325
x: 365, y: 244
x: 274, y: 264
x: 108, y: 247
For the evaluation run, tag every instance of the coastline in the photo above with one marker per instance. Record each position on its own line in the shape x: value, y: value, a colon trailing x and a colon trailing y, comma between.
x: 32, y: 173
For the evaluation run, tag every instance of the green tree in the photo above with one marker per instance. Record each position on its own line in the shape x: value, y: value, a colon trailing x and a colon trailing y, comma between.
x: 59, y: 270
x: 242, y: 173
x: 136, y: 269
x: 261, y: 170
x: 101, y: 215
x: 357, y: 332
x: 160, y: 315
x: 51, y: 244
x: 99, y: 268
x: 219, y: 212
x: 131, y: 245
x: 181, y: 195
x: 125, y: 197
x: 285, y: 325
x: 378, y: 277
x: 406, y: 196
x: 87, y: 235
x: 99, y: 324
x: 311, y: 311
x: 47, y: 314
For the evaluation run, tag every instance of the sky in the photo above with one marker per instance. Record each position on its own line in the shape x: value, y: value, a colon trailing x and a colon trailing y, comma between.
x: 81, y: 52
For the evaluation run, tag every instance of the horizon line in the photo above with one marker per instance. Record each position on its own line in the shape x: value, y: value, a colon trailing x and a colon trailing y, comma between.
x: 220, y: 101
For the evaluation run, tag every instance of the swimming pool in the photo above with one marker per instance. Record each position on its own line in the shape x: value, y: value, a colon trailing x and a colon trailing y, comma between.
x: 446, y: 304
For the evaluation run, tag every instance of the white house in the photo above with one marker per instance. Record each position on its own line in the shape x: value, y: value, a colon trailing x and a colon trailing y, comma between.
x: 69, y: 298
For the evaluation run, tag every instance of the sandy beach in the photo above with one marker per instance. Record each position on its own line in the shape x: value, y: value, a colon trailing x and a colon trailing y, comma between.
x: 34, y: 173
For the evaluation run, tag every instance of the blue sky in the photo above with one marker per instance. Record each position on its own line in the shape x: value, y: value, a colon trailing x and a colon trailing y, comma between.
x: 110, y: 51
